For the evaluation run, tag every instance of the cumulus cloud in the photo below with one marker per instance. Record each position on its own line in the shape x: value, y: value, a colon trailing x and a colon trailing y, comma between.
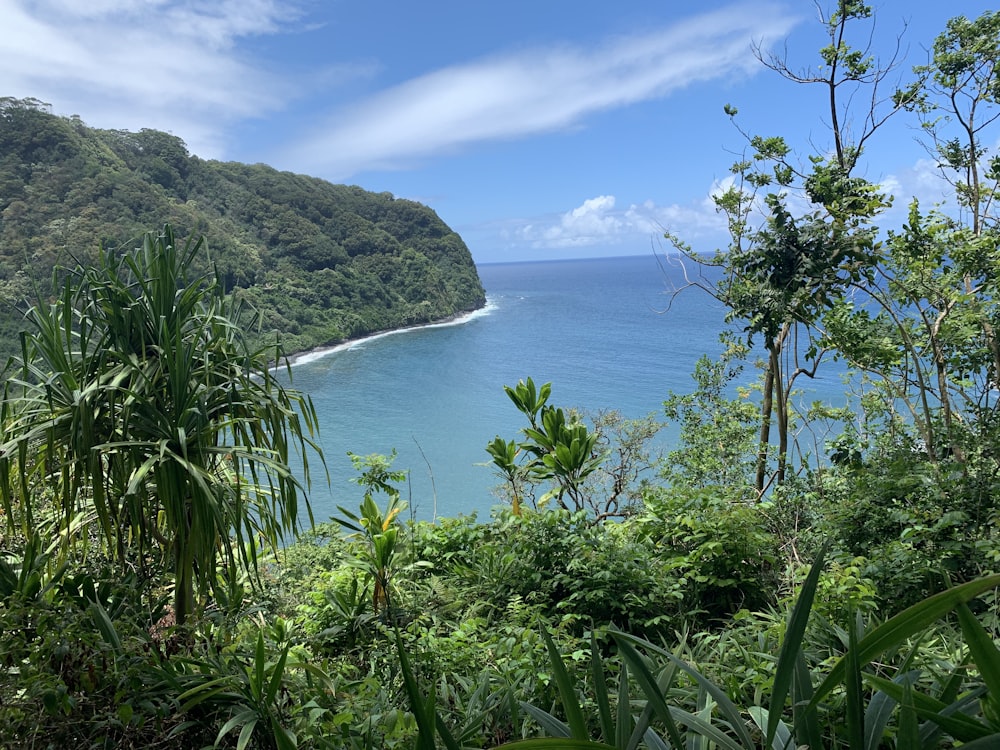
x: 598, y: 221
x: 534, y: 91
x: 168, y: 64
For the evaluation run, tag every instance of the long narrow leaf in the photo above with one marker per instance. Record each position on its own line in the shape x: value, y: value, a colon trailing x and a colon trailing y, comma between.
x: 555, y: 743
x: 791, y: 645
x: 425, y: 729
x: 106, y: 627
x: 653, y: 692
x: 623, y: 716
x: 707, y: 730
x: 782, y: 739
x: 855, y: 714
x: 878, y: 713
x: 599, y: 679
x: 906, y: 624
x: 729, y: 710
x: 908, y: 734
x: 983, y: 651
x: 805, y: 723
x: 990, y: 742
x: 277, y: 676
x: 246, y: 734
x: 567, y: 692
x: 959, y: 725
x: 550, y: 724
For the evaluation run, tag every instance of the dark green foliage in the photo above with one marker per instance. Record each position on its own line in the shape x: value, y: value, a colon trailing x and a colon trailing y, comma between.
x: 718, y: 552
x: 141, y: 406
x: 695, y: 621
x: 717, y: 432
x: 322, y: 262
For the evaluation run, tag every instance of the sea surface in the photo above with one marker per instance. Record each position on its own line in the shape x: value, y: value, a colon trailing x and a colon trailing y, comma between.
x: 607, y: 333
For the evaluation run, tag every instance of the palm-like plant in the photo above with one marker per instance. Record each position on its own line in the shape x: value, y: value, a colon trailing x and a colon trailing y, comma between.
x: 141, y: 403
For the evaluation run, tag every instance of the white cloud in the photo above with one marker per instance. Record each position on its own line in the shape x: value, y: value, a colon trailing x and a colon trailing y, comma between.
x: 597, y: 221
x: 143, y: 63
x: 592, y: 222
x: 534, y: 91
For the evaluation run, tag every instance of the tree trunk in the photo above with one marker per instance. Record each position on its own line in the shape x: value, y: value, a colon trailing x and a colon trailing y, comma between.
x: 765, y: 428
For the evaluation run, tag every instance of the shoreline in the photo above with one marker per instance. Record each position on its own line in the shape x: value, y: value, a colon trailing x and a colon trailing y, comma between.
x: 313, y: 355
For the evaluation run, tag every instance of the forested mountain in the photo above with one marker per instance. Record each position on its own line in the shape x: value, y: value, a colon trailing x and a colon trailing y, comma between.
x: 321, y: 262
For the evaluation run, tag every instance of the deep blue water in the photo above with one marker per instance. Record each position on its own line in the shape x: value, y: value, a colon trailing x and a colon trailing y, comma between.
x: 597, y: 329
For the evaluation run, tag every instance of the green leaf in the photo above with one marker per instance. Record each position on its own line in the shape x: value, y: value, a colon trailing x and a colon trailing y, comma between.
x: 604, y: 714
x: 567, y: 692
x: 424, y: 709
x: 550, y: 724
x: 277, y: 675
x: 895, y: 631
x: 791, y: 646
x: 855, y: 714
x: 246, y: 734
x: 650, y: 687
x: 246, y: 717
x: 908, y: 734
x: 983, y: 650
x: 782, y: 739
x: 556, y: 743
x: 726, y: 706
x: 107, y: 628
x: 707, y: 730
x: 959, y: 725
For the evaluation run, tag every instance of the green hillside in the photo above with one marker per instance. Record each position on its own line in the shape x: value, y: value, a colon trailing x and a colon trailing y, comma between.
x: 321, y: 262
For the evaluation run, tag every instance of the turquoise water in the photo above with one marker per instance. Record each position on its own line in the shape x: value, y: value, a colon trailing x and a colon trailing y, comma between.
x: 598, y: 329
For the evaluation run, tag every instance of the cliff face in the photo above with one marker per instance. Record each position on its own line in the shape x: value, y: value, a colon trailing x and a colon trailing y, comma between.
x: 322, y: 262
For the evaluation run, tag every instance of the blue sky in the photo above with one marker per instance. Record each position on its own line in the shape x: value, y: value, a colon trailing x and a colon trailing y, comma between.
x: 537, y: 129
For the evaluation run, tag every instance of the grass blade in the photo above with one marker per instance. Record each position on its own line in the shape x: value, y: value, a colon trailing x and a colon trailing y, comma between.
x: 805, y: 723
x: 959, y: 725
x: 782, y: 737
x: 908, y: 734
x: 425, y: 728
x: 623, y: 720
x: 726, y: 706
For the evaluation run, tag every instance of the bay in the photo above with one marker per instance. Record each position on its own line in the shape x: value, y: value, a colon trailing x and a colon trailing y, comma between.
x: 607, y: 333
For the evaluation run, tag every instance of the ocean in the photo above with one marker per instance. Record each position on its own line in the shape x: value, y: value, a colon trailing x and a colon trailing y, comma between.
x: 607, y: 333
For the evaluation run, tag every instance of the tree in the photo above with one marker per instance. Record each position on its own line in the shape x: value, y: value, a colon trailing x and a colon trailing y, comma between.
x: 931, y: 333
x: 141, y: 407
x: 781, y: 270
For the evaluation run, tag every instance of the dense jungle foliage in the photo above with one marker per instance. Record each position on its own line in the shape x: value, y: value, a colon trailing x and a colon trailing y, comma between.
x: 322, y: 262
x: 781, y: 579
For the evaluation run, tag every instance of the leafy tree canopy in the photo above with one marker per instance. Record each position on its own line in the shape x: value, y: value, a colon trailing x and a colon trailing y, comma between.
x: 322, y: 262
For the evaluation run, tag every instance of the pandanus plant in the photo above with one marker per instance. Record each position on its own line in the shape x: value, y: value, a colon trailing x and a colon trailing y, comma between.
x: 141, y: 403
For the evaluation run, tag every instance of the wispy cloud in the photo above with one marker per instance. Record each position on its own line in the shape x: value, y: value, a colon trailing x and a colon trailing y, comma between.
x: 184, y: 66
x: 144, y: 63
x: 533, y: 91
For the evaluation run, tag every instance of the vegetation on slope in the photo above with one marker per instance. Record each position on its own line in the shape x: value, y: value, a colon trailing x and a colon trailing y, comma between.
x: 748, y: 595
x: 321, y: 262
